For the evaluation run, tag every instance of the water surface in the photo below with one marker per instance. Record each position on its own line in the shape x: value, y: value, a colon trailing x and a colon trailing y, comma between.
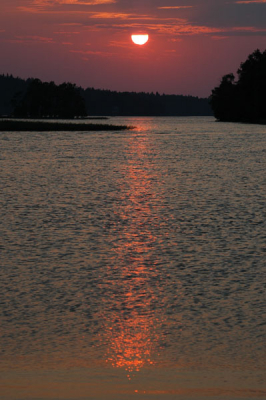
x: 133, y: 263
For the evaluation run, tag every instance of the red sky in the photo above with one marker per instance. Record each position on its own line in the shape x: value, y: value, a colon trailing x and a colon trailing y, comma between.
x: 193, y: 43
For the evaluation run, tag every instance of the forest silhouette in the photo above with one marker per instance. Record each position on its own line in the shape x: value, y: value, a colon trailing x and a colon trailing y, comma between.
x: 245, y: 99
x: 33, y: 98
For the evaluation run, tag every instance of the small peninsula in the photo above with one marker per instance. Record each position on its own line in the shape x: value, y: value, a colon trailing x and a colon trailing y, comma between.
x: 245, y: 99
x: 8, y: 125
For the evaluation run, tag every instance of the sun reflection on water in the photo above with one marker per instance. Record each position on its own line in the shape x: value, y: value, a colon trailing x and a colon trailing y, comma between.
x: 131, y: 336
x: 131, y: 345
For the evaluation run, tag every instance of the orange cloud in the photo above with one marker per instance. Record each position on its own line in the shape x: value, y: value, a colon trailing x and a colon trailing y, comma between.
x: 173, y: 7
x: 250, y: 1
x: 71, y: 24
x: 35, y: 39
x: 179, y: 27
x: 116, y: 43
x: 95, y: 53
x: 30, y: 40
x: 37, y: 6
x: 107, y: 15
x: 66, y: 33
x: 51, y: 3
x: 248, y: 29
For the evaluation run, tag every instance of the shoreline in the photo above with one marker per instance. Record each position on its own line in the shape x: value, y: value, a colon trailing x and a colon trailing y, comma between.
x: 7, y: 125
x: 258, y: 122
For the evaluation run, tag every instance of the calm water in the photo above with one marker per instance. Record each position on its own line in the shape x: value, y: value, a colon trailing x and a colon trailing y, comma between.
x: 133, y: 263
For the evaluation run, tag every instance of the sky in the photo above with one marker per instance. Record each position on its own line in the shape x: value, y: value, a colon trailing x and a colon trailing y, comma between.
x: 192, y: 43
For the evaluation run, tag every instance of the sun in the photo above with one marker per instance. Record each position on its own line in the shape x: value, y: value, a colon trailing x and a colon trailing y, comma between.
x: 140, y: 39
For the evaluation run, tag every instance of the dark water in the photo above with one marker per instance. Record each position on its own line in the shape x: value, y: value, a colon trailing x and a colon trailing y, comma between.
x: 133, y: 263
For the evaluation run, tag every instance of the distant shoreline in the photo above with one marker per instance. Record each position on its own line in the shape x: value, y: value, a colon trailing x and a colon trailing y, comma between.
x: 7, y: 125
x: 258, y: 122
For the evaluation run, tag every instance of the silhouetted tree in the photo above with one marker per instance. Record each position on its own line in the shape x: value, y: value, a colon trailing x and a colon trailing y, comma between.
x: 44, y: 99
x: 244, y: 100
x: 11, y: 91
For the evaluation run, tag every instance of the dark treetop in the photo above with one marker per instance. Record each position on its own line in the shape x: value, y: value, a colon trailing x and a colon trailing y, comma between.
x: 244, y: 100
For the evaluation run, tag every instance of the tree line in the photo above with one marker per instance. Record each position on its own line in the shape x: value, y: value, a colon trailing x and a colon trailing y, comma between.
x: 36, y: 99
x: 106, y: 102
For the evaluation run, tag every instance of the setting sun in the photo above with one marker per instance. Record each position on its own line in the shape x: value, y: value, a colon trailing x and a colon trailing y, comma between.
x: 140, y: 39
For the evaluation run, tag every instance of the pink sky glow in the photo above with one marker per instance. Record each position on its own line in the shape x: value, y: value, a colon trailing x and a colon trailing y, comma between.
x: 192, y: 44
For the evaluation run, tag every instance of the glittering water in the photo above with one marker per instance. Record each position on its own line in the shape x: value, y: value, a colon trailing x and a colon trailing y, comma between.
x: 133, y: 263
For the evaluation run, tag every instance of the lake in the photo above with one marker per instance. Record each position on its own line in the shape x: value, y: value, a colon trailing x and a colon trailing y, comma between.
x: 133, y: 262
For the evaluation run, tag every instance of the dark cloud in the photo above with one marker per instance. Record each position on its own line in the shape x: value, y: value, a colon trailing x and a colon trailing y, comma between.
x: 230, y: 15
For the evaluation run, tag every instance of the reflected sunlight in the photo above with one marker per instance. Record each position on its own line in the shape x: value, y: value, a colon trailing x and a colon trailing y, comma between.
x: 131, y: 336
